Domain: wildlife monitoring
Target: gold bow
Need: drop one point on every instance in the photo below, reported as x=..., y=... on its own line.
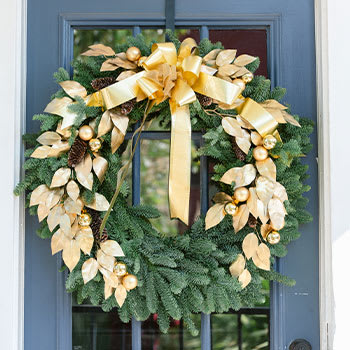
x=175, y=76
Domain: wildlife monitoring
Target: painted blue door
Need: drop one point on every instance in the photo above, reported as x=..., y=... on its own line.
x=290, y=62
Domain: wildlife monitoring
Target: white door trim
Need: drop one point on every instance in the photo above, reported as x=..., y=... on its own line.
x=12, y=91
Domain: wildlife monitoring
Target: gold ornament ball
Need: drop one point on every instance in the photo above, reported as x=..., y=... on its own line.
x=260, y=153
x=84, y=220
x=240, y=83
x=269, y=141
x=133, y=53
x=130, y=282
x=273, y=237
x=231, y=208
x=241, y=194
x=86, y=133
x=95, y=145
x=120, y=269
x=248, y=77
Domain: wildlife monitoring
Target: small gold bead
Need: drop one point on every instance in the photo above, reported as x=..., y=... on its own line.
x=248, y=77
x=95, y=145
x=84, y=220
x=231, y=208
x=241, y=194
x=273, y=237
x=260, y=153
x=130, y=282
x=86, y=133
x=133, y=53
x=269, y=141
x=120, y=269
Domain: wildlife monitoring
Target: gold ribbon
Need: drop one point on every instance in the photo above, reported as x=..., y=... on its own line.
x=175, y=76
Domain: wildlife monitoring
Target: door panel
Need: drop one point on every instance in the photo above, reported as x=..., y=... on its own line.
x=289, y=61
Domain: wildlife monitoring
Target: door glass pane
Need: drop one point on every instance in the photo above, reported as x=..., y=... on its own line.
x=249, y=41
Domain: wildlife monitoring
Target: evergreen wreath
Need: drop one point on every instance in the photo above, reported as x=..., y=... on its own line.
x=217, y=264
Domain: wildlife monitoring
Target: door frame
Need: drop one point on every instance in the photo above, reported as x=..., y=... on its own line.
x=13, y=15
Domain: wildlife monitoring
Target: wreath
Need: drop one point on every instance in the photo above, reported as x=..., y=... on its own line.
x=75, y=173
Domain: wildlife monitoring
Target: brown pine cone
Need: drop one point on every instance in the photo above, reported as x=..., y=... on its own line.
x=127, y=107
x=238, y=152
x=77, y=152
x=100, y=83
x=252, y=221
x=205, y=101
x=95, y=226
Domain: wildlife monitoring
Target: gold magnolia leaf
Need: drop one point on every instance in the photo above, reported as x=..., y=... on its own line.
x=280, y=192
x=109, y=277
x=290, y=119
x=71, y=254
x=117, y=139
x=59, y=106
x=120, y=294
x=225, y=57
x=59, y=241
x=242, y=176
x=54, y=197
x=114, y=63
x=256, y=138
x=265, y=229
x=85, y=239
x=65, y=226
x=250, y=245
x=214, y=216
x=224, y=77
x=108, y=290
x=277, y=213
x=261, y=264
x=60, y=177
x=100, y=166
x=272, y=104
x=264, y=189
x=89, y=270
x=239, y=220
x=266, y=168
x=105, y=124
x=237, y=267
x=58, y=148
x=222, y=197
x=99, y=203
x=85, y=166
x=277, y=114
x=263, y=252
x=243, y=123
x=232, y=127
x=241, y=72
x=73, y=207
x=245, y=278
x=244, y=142
x=106, y=261
x=252, y=202
x=120, y=121
x=43, y=212
x=73, y=88
x=66, y=133
x=208, y=70
x=39, y=195
x=125, y=74
x=54, y=216
x=228, y=70
x=73, y=190
x=211, y=55
x=41, y=152
x=87, y=182
x=112, y=248
x=48, y=138
x=99, y=50
x=243, y=60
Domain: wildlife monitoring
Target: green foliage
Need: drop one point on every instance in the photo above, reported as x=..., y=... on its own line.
x=187, y=273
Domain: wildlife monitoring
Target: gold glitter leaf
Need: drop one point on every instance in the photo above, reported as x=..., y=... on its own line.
x=41, y=152
x=73, y=190
x=225, y=57
x=71, y=254
x=58, y=148
x=108, y=290
x=277, y=213
x=100, y=203
x=211, y=55
x=267, y=168
x=256, y=138
x=48, y=138
x=228, y=69
x=250, y=245
x=125, y=74
x=242, y=176
x=65, y=226
x=120, y=121
x=239, y=220
x=54, y=216
x=100, y=166
x=117, y=139
x=73, y=207
x=43, y=212
x=112, y=248
x=262, y=212
x=232, y=127
x=222, y=197
x=244, y=142
x=89, y=270
x=99, y=50
x=120, y=294
x=60, y=177
x=261, y=264
x=106, y=261
x=54, y=197
x=73, y=88
x=105, y=124
x=280, y=192
x=58, y=241
x=252, y=202
x=245, y=278
x=85, y=239
x=85, y=166
x=59, y=106
x=109, y=277
x=237, y=267
x=290, y=119
x=263, y=252
x=243, y=60
x=214, y=216
x=264, y=189
x=39, y=195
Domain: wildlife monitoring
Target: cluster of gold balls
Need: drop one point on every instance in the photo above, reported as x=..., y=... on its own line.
x=262, y=152
x=86, y=133
x=129, y=281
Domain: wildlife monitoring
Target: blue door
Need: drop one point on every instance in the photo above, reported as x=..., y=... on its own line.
x=282, y=34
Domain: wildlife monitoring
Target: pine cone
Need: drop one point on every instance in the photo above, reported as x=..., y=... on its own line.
x=101, y=83
x=95, y=226
x=205, y=101
x=77, y=152
x=127, y=107
x=238, y=152
x=252, y=221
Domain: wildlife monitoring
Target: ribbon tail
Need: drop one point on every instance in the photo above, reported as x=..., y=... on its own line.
x=180, y=162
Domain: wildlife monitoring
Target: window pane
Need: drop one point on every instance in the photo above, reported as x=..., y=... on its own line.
x=157, y=35
x=94, y=329
x=248, y=41
x=154, y=184
x=188, y=33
